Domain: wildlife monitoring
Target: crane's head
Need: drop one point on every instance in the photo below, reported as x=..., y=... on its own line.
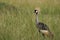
x=36, y=11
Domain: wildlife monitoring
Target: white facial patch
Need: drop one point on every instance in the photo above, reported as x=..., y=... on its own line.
x=36, y=11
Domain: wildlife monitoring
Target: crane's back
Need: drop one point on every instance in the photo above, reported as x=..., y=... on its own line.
x=42, y=26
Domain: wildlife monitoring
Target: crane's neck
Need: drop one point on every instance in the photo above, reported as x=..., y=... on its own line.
x=37, y=21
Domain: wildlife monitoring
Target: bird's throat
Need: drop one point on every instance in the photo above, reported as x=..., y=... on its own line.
x=37, y=21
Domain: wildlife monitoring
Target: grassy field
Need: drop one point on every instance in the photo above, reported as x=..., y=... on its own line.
x=17, y=20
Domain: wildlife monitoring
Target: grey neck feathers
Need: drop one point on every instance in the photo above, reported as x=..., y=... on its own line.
x=37, y=21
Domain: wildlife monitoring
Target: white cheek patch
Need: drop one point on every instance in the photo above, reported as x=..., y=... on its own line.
x=44, y=31
x=36, y=11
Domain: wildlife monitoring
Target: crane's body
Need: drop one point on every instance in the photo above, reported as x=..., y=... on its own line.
x=43, y=28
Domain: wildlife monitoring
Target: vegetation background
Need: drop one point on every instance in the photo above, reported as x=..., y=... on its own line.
x=17, y=20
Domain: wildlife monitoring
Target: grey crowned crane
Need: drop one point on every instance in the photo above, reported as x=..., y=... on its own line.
x=42, y=28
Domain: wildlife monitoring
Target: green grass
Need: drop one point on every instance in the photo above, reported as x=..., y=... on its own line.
x=17, y=20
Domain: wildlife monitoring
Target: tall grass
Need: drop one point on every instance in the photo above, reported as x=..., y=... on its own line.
x=17, y=20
